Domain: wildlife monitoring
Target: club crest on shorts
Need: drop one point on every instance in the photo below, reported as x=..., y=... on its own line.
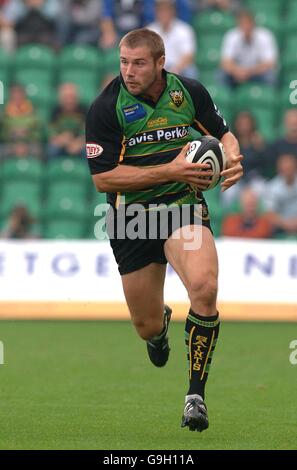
x=177, y=97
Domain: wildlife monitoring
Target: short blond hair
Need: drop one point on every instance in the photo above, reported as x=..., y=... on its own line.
x=144, y=37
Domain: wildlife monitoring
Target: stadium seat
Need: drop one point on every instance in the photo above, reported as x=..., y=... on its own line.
x=68, y=169
x=255, y=6
x=25, y=169
x=21, y=193
x=291, y=7
x=253, y=96
x=215, y=209
x=210, y=40
x=59, y=229
x=208, y=58
x=43, y=98
x=87, y=83
x=72, y=190
x=266, y=120
x=65, y=207
x=291, y=23
x=79, y=57
x=217, y=21
x=39, y=77
x=289, y=56
x=285, y=98
x=208, y=77
x=111, y=61
x=35, y=57
x=288, y=76
x=222, y=98
x=5, y=66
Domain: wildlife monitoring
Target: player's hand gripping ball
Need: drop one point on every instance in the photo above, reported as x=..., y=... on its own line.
x=208, y=150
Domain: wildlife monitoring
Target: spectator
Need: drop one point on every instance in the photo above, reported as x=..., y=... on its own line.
x=284, y=145
x=67, y=124
x=21, y=130
x=178, y=37
x=20, y=225
x=252, y=146
x=121, y=16
x=7, y=34
x=79, y=22
x=248, y=223
x=280, y=198
x=249, y=53
x=34, y=20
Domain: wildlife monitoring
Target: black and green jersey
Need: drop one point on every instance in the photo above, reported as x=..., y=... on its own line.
x=123, y=129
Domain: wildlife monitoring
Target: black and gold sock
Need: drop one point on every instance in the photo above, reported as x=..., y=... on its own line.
x=201, y=334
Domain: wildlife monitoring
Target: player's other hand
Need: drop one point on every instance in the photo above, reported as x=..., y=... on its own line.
x=191, y=173
x=233, y=173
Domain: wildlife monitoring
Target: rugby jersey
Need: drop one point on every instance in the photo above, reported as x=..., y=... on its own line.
x=123, y=129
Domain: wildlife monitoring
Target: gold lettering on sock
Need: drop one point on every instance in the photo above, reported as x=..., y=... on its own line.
x=200, y=344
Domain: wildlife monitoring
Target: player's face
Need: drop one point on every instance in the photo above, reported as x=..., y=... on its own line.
x=139, y=69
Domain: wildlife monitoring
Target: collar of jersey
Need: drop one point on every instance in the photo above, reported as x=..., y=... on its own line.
x=151, y=103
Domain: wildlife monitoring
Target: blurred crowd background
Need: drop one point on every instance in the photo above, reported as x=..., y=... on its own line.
x=55, y=58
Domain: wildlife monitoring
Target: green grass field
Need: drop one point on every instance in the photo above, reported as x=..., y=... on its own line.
x=89, y=385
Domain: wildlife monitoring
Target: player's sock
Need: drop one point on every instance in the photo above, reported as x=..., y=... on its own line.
x=201, y=335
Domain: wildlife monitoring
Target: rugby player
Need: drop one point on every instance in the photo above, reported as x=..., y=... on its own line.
x=138, y=132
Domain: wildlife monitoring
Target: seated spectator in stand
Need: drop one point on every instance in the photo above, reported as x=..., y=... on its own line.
x=249, y=222
x=79, y=22
x=121, y=16
x=34, y=20
x=252, y=146
x=20, y=225
x=66, y=134
x=7, y=34
x=280, y=198
x=179, y=39
x=249, y=53
x=286, y=144
x=21, y=131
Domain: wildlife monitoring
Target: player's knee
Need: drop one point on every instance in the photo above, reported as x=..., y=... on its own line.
x=147, y=330
x=204, y=289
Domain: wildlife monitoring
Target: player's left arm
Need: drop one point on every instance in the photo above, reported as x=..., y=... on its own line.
x=234, y=170
x=209, y=121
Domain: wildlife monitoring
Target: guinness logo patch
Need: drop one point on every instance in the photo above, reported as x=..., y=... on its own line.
x=177, y=97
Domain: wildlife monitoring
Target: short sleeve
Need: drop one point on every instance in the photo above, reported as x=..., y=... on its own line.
x=208, y=120
x=104, y=136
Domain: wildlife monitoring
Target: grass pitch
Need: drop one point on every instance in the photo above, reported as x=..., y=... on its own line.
x=90, y=385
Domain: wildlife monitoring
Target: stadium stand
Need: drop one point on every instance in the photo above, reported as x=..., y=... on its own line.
x=59, y=192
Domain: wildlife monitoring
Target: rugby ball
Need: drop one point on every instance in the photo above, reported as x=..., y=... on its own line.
x=208, y=150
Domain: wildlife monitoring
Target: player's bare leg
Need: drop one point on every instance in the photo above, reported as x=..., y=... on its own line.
x=198, y=270
x=143, y=290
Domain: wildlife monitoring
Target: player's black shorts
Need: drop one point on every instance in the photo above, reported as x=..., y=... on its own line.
x=135, y=245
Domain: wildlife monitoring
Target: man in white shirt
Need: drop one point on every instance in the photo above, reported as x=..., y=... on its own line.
x=249, y=53
x=179, y=39
x=280, y=198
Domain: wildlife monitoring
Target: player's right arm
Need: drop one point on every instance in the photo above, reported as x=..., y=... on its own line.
x=106, y=147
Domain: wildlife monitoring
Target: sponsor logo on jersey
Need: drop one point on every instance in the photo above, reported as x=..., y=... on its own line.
x=160, y=135
x=177, y=97
x=159, y=122
x=93, y=150
x=134, y=112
